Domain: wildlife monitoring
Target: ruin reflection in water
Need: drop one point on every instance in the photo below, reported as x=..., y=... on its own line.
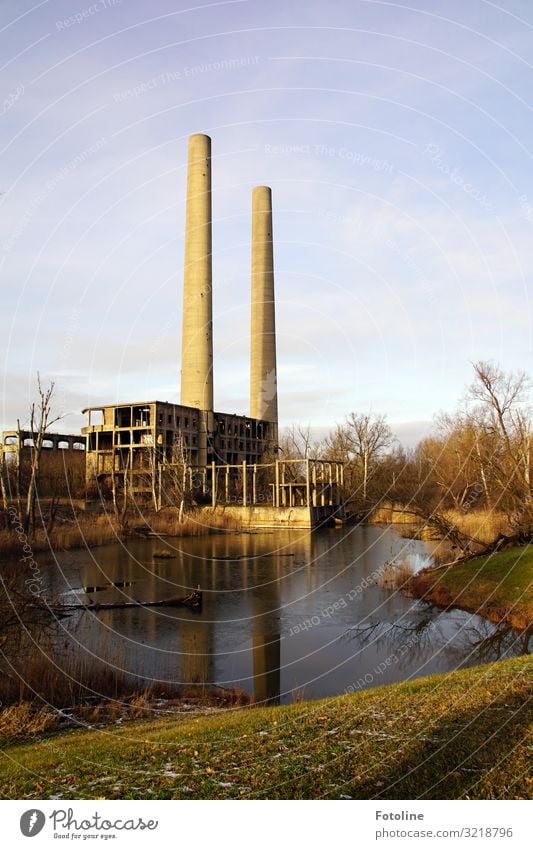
x=285, y=615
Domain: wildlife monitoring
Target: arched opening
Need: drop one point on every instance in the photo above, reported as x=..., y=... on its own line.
x=78, y=446
x=63, y=445
x=48, y=443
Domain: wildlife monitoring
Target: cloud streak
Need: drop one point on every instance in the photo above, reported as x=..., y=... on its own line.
x=397, y=145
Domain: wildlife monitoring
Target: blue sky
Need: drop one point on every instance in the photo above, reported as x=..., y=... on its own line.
x=397, y=141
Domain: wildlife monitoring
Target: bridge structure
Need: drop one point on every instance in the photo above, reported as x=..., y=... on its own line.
x=299, y=492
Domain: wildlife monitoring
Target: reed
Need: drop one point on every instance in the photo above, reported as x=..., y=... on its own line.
x=395, y=574
x=41, y=692
x=94, y=529
x=482, y=525
x=84, y=529
x=24, y=719
x=200, y=522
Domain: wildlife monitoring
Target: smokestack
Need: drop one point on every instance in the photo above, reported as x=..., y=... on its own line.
x=197, y=336
x=263, y=376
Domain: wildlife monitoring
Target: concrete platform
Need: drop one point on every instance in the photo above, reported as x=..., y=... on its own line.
x=262, y=516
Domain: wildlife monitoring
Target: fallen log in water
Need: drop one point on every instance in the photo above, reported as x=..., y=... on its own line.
x=192, y=601
x=145, y=531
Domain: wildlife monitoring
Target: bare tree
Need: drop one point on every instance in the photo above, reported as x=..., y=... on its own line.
x=3, y=478
x=362, y=440
x=455, y=456
x=480, y=456
x=504, y=412
x=41, y=420
x=177, y=476
x=155, y=478
x=120, y=512
x=297, y=442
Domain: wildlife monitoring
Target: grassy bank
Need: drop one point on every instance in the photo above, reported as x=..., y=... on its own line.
x=461, y=735
x=498, y=587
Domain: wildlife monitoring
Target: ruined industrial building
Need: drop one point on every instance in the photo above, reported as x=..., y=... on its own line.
x=145, y=446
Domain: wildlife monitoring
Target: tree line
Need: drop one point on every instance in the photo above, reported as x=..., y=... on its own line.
x=478, y=457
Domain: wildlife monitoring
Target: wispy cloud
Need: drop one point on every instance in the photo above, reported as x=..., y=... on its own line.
x=395, y=265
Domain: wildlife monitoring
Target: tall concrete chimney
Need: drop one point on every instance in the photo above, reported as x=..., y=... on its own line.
x=197, y=336
x=263, y=374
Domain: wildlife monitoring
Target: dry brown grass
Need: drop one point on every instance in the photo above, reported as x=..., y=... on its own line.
x=23, y=720
x=95, y=687
x=86, y=529
x=89, y=530
x=58, y=683
x=390, y=513
x=50, y=699
x=203, y=521
x=426, y=533
x=483, y=525
x=94, y=529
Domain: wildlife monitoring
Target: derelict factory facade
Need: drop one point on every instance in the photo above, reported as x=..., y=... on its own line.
x=141, y=436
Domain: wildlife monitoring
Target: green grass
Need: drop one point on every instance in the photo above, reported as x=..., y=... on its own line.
x=499, y=586
x=460, y=735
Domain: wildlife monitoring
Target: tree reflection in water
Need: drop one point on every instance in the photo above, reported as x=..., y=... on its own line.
x=473, y=639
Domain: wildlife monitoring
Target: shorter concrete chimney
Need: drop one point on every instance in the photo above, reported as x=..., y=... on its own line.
x=263, y=372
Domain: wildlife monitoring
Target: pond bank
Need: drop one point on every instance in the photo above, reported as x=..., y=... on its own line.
x=497, y=586
x=87, y=529
x=29, y=720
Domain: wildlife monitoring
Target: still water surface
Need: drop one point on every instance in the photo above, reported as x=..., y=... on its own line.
x=296, y=615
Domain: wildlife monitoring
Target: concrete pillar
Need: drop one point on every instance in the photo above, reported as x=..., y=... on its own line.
x=197, y=334
x=213, y=485
x=263, y=374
